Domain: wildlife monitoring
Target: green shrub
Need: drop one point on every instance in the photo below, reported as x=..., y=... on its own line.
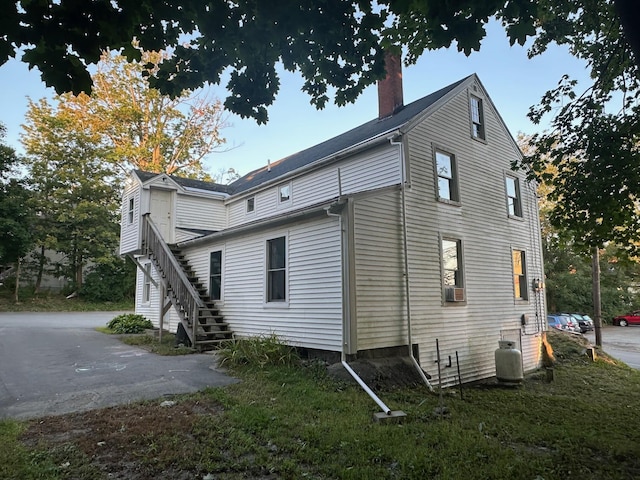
x=258, y=351
x=110, y=282
x=129, y=323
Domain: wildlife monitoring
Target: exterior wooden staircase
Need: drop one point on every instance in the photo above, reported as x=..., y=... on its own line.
x=204, y=326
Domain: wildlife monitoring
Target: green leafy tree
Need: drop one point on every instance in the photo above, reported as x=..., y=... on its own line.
x=569, y=280
x=335, y=45
x=76, y=198
x=138, y=127
x=15, y=215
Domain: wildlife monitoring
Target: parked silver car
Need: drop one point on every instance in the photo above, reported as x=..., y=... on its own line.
x=584, y=321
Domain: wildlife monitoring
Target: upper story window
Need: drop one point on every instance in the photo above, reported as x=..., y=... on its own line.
x=284, y=193
x=514, y=203
x=452, y=276
x=519, y=275
x=251, y=204
x=477, y=118
x=131, y=209
x=277, y=270
x=447, y=176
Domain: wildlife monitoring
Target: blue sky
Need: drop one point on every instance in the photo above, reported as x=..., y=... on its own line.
x=513, y=81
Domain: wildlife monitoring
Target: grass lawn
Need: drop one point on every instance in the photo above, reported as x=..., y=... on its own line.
x=51, y=302
x=292, y=421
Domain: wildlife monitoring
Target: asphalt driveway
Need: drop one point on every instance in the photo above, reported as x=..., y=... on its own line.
x=56, y=363
x=622, y=343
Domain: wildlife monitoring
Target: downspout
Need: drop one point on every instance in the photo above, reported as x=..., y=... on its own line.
x=405, y=247
x=343, y=355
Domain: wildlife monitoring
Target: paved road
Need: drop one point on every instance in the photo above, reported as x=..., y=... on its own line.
x=55, y=363
x=622, y=343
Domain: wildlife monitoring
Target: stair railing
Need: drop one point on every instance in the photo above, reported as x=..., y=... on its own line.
x=184, y=292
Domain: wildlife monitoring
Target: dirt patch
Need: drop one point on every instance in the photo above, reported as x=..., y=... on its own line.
x=381, y=374
x=125, y=442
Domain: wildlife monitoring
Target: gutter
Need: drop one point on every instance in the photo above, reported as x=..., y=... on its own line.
x=331, y=212
x=405, y=247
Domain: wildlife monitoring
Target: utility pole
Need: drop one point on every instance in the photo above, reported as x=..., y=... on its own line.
x=597, y=308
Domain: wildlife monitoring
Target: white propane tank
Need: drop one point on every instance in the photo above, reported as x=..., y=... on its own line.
x=508, y=362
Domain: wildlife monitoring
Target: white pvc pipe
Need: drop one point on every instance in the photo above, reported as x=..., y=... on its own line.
x=356, y=377
x=366, y=388
x=406, y=266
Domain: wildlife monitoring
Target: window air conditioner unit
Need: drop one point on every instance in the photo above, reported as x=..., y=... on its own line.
x=454, y=294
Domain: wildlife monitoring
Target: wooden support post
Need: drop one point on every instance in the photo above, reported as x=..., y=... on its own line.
x=162, y=294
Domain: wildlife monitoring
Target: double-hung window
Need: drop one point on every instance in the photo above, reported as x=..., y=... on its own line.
x=251, y=204
x=477, y=118
x=447, y=176
x=146, y=285
x=215, y=275
x=519, y=274
x=452, y=276
x=277, y=270
x=131, y=209
x=514, y=203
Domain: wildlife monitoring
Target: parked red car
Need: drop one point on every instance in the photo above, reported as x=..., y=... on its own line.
x=632, y=318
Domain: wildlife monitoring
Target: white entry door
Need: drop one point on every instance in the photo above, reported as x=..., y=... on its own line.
x=161, y=203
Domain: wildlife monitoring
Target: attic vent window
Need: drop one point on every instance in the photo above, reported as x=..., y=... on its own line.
x=477, y=118
x=251, y=204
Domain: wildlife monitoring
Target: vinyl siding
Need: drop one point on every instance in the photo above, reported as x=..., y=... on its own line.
x=130, y=232
x=379, y=267
x=368, y=170
x=312, y=317
x=488, y=235
x=201, y=213
x=151, y=309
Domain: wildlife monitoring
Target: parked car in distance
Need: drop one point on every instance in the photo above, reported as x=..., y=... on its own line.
x=562, y=322
x=585, y=323
x=572, y=322
x=589, y=319
x=632, y=318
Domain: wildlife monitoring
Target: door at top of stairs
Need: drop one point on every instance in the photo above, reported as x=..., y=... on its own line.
x=161, y=213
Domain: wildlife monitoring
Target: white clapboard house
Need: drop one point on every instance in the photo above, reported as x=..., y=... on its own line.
x=406, y=230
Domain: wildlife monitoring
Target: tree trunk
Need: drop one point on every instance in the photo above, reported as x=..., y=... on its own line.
x=629, y=12
x=597, y=308
x=40, y=270
x=79, y=278
x=16, y=297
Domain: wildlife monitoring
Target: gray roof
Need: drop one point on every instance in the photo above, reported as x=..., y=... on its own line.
x=186, y=182
x=322, y=150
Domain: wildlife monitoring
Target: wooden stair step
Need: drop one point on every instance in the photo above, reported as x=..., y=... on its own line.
x=213, y=341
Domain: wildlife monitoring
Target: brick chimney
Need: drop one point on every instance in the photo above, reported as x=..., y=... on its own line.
x=390, y=88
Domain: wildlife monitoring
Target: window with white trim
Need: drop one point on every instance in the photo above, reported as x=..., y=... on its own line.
x=132, y=204
x=452, y=274
x=447, y=176
x=251, y=204
x=215, y=275
x=284, y=193
x=277, y=270
x=146, y=285
x=520, y=291
x=477, y=118
x=514, y=203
